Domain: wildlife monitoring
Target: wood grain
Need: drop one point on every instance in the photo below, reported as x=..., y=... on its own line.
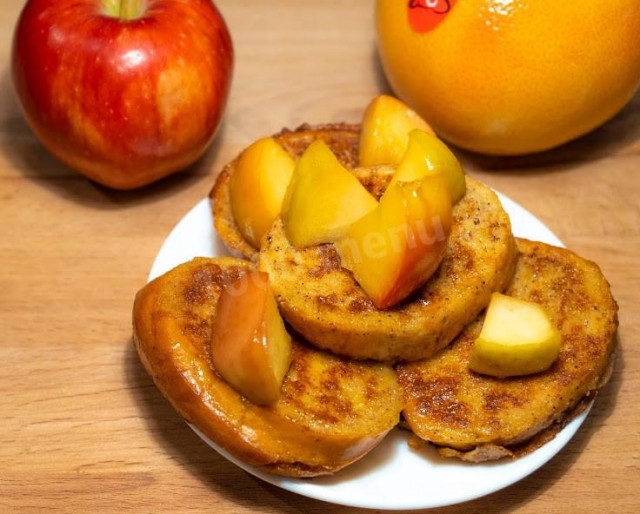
x=83, y=429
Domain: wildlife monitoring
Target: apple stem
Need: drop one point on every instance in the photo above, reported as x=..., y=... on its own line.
x=131, y=9
x=125, y=9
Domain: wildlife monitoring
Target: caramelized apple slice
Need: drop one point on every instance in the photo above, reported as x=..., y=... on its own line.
x=394, y=250
x=517, y=338
x=427, y=155
x=323, y=199
x=384, y=134
x=258, y=186
x=250, y=347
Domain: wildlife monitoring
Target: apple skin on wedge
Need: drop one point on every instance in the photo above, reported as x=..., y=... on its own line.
x=258, y=186
x=323, y=199
x=384, y=135
x=427, y=155
x=393, y=250
x=250, y=346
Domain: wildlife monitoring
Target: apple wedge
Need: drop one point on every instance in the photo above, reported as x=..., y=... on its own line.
x=384, y=135
x=517, y=338
x=258, y=186
x=323, y=199
x=427, y=155
x=393, y=250
x=250, y=347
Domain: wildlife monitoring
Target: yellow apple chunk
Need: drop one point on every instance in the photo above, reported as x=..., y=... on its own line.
x=427, y=155
x=517, y=338
x=384, y=133
x=258, y=186
x=323, y=199
x=250, y=347
x=394, y=250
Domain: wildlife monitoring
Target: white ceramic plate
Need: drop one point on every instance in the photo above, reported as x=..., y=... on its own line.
x=392, y=476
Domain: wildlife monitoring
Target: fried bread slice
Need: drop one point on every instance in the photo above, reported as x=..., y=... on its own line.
x=476, y=417
x=324, y=303
x=331, y=411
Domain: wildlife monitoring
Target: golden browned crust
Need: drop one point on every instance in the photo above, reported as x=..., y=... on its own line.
x=340, y=137
x=331, y=412
x=323, y=302
x=477, y=417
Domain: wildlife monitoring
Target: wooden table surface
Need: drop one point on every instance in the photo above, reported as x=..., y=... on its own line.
x=82, y=427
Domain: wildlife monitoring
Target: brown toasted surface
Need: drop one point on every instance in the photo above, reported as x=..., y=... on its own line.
x=331, y=411
x=340, y=137
x=325, y=304
x=451, y=406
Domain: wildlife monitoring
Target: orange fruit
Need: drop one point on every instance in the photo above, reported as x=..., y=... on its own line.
x=510, y=77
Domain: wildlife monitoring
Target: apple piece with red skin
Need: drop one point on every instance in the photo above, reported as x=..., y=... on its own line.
x=250, y=346
x=123, y=91
x=393, y=250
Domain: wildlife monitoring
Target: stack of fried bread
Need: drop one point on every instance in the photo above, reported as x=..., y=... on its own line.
x=356, y=369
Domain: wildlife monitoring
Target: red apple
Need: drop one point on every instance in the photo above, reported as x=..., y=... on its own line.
x=124, y=91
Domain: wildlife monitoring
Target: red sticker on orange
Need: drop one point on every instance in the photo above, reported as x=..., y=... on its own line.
x=425, y=15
